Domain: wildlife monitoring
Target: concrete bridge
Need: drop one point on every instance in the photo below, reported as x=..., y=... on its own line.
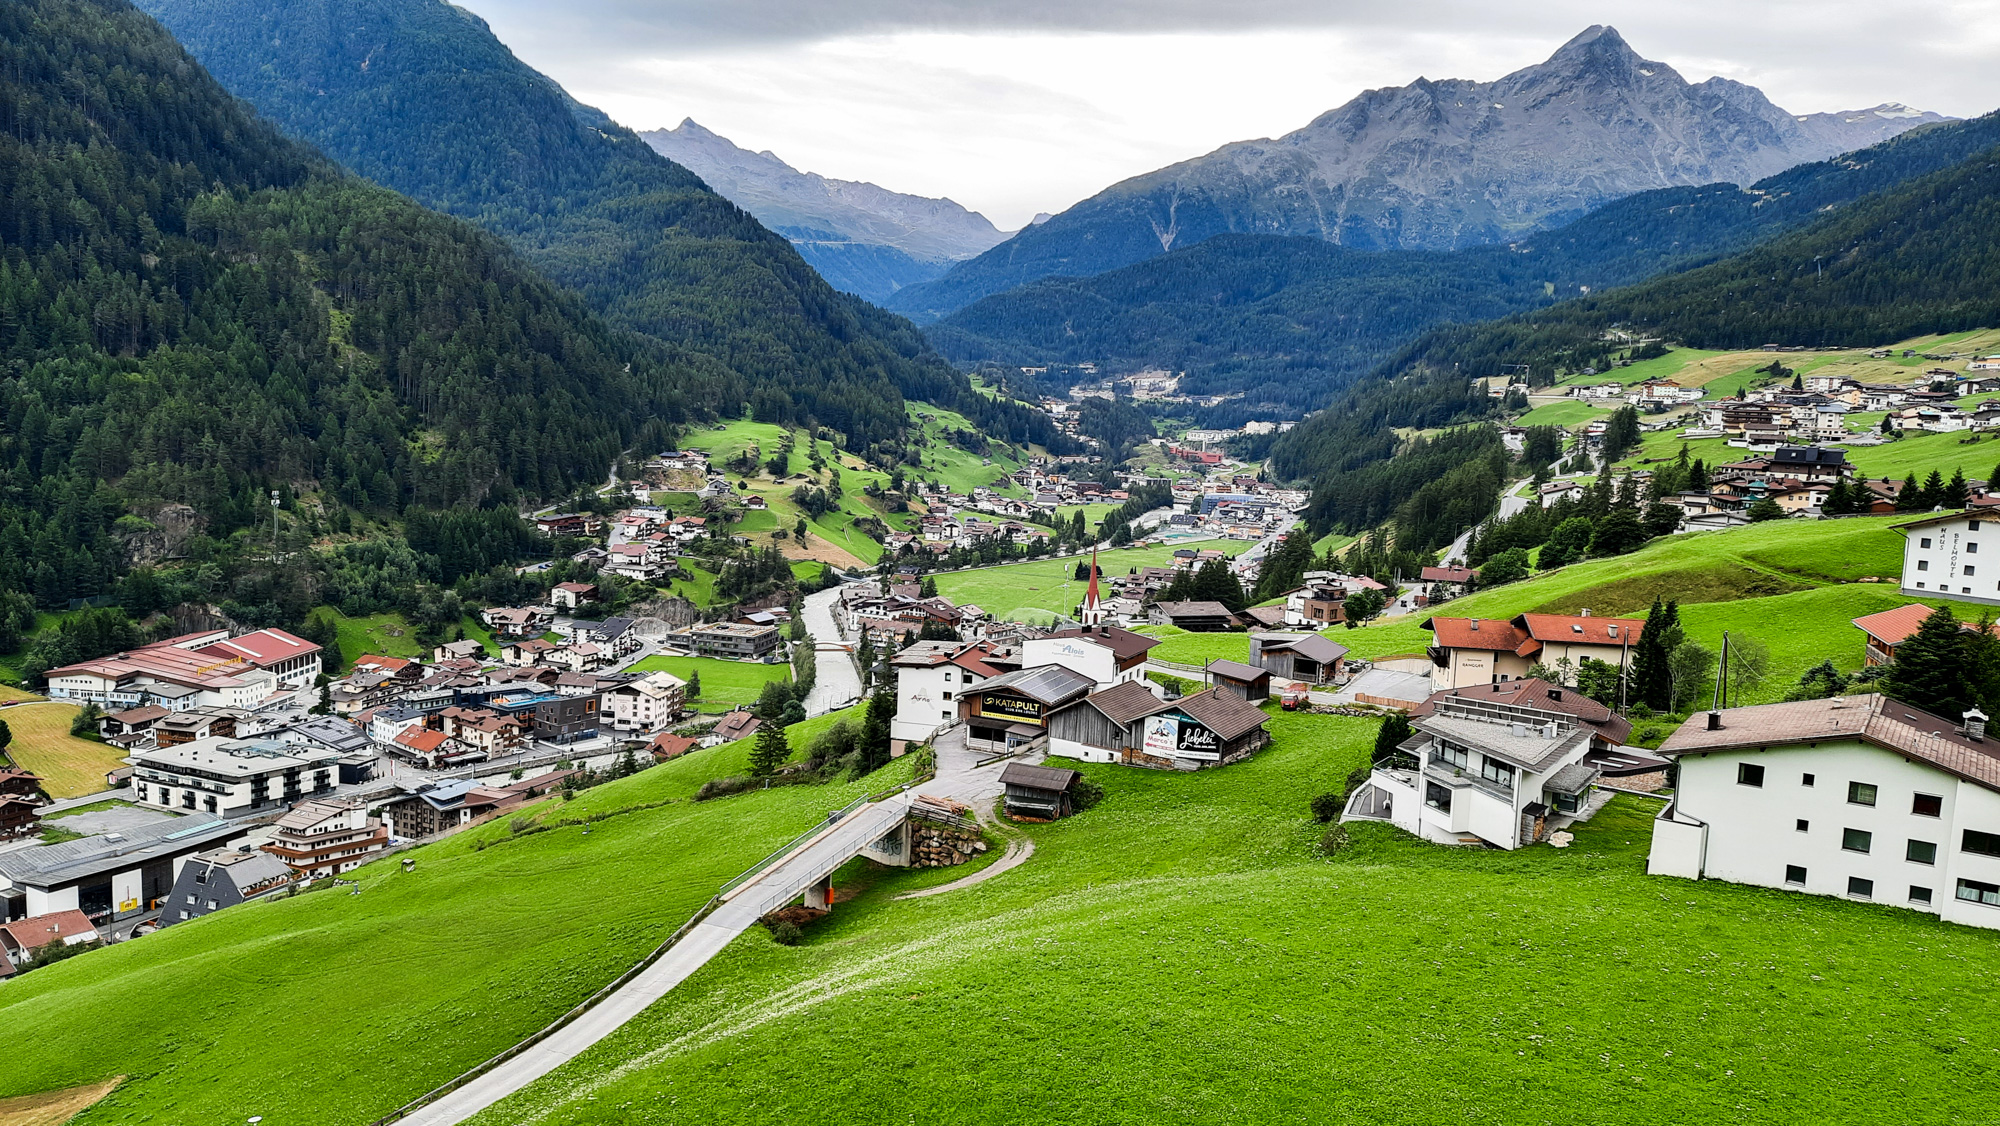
x=874, y=827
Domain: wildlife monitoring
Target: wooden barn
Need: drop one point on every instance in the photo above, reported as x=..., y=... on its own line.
x=1245, y=682
x=1306, y=657
x=1103, y=726
x=1039, y=791
x=1212, y=728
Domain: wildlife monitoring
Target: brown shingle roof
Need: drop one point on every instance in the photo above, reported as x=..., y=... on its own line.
x=1224, y=713
x=1124, y=703
x=1872, y=718
x=1123, y=643
x=1237, y=670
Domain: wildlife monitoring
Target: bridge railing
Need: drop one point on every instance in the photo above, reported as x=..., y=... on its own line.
x=832, y=819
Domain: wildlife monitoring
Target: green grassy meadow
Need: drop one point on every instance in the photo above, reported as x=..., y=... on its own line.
x=722, y=682
x=1036, y=589
x=417, y=976
x=1184, y=953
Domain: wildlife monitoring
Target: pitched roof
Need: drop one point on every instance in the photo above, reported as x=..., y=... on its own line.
x=1048, y=685
x=1871, y=718
x=37, y=931
x=1038, y=777
x=1237, y=670
x=1489, y=634
x=264, y=647
x=1123, y=643
x=1126, y=702
x=668, y=745
x=1892, y=627
x=1448, y=574
x=1225, y=713
x=738, y=725
x=1193, y=609
x=1583, y=629
x=1311, y=646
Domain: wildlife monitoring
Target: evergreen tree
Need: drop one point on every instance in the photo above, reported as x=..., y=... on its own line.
x=929, y=587
x=1652, y=668
x=1621, y=434
x=1697, y=479
x=770, y=705
x=1393, y=731
x=1934, y=491
x=1764, y=508
x=1910, y=498
x=874, y=742
x=694, y=685
x=1956, y=493
x=1507, y=567
x=1929, y=672
x=770, y=751
x=1617, y=533
x=1213, y=582
x=1569, y=543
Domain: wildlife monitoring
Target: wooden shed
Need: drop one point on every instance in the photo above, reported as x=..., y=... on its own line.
x=1039, y=791
x=1103, y=726
x=1245, y=682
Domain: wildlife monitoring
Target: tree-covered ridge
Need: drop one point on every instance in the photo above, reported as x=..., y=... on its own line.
x=194, y=310
x=420, y=96
x=1287, y=320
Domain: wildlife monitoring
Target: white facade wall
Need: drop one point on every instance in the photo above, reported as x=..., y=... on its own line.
x=1954, y=556
x=1080, y=655
x=927, y=700
x=1753, y=832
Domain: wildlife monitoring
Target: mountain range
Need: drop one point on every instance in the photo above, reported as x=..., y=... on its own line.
x=1284, y=321
x=863, y=239
x=1436, y=165
x=421, y=97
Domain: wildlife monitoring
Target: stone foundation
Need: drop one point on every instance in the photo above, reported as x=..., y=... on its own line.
x=938, y=846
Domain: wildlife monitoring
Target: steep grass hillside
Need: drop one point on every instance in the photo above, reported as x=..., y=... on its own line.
x=1183, y=953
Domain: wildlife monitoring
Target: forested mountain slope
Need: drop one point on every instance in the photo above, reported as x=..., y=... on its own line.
x=1922, y=257
x=195, y=310
x=1287, y=320
x=1435, y=165
x=420, y=96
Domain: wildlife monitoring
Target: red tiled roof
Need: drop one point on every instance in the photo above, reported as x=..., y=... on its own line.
x=1490, y=634
x=1448, y=574
x=37, y=931
x=1893, y=627
x=421, y=739
x=264, y=647
x=668, y=745
x=1580, y=630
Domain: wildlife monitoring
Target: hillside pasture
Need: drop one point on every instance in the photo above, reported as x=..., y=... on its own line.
x=722, y=682
x=1033, y=590
x=69, y=767
x=1183, y=952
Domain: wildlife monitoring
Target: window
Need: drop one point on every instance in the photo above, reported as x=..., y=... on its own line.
x=1806, y=779
x=1453, y=755
x=1927, y=805
x=211, y=905
x=1923, y=564
x=1856, y=840
x=1921, y=852
x=947, y=695
x=1924, y=542
x=1971, y=549
x=1495, y=771
x=201, y=877
x=1985, y=844
x=1973, y=891
x=1802, y=825
x=1860, y=888
x=191, y=900
x=1795, y=874
x=1968, y=568
x=1437, y=797
x=1860, y=793
x=1919, y=895
x=1749, y=774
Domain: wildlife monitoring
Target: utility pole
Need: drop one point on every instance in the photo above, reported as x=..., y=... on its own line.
x=274, y=527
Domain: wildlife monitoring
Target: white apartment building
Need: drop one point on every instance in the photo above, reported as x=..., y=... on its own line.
x=1482, y=772
x=1941, y=556
x=230, y=776
x=1107, y=654
x=930, y=677
x=646, y=704
x=1857, y=796
x=327, y=838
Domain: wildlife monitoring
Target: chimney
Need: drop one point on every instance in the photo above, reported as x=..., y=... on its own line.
x=1975, y=725
x=1583, y=613
x=1715, y=721
x=1475, y=625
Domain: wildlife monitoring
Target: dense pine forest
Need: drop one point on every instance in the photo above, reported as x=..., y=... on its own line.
x=1286, y=321
x=195, y=310
x=421, y=97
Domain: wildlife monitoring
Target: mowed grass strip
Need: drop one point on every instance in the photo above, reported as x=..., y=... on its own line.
x=416, y=975
x=1038, y=588
x=1183, y=953
x=69, y=767
x=722, y=682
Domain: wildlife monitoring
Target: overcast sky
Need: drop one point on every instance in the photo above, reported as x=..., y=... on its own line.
x=1014, y=108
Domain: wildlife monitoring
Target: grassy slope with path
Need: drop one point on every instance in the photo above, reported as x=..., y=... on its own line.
x=1182, y=953
x=1019, y=591
x=417, y=977
x=69, y=767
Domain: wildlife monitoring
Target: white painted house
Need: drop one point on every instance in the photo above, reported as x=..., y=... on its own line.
x=1107, y=654
x=930, y=677
x=1482, y=772
x=1942, y=555
x=1857, y=796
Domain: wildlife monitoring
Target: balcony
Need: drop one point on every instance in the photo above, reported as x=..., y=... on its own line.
x=1451, y=776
